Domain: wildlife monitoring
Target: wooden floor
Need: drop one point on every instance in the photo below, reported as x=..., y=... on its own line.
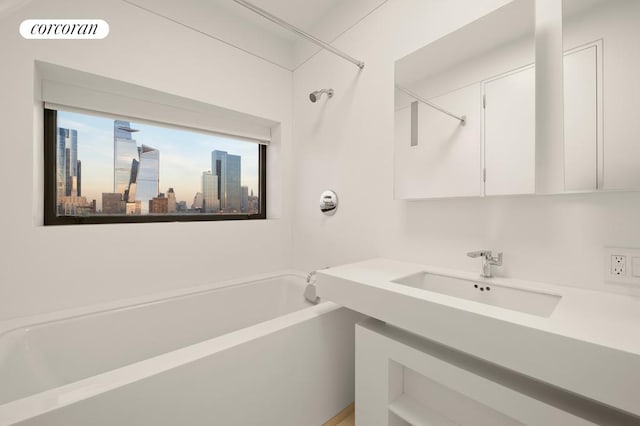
x=349, y=421
x=345, y=417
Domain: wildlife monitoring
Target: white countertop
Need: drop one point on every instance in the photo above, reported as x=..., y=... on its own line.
x=590, y=344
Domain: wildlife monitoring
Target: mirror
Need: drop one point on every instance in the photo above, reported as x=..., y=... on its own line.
x=465, y=110
x=601, y=41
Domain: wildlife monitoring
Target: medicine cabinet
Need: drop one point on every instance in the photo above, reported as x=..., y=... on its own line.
x=465, y=105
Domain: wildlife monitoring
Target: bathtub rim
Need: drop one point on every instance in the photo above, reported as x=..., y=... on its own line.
x=49, y=400
x=25, y=322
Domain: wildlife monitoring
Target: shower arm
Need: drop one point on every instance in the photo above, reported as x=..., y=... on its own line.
x=298, y=31
x=462, y=119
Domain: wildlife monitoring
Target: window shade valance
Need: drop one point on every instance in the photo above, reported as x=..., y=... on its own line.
x=63, y=88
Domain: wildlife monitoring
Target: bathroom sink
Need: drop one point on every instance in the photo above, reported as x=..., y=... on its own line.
x=516, y=299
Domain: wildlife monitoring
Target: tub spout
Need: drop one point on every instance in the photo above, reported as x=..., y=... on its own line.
x=310, y=294
x=310, y=289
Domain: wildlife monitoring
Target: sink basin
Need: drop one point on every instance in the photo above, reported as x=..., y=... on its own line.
x=515, y=299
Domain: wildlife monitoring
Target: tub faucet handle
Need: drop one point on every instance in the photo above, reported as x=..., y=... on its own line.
x=312, y=273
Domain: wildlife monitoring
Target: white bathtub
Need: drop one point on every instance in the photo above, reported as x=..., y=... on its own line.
x=249, y=353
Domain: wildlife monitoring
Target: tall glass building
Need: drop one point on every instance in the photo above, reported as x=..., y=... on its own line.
x=68, y=178
x=211, y=202
x=125, y=152
x=219, y=168
x=136, y=170
x=227, y=168
x=148, y=176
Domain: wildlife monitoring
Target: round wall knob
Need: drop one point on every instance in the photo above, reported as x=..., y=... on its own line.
x=328, y=203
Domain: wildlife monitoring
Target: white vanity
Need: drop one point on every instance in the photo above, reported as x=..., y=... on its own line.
x=443, y=346
x=538, y=97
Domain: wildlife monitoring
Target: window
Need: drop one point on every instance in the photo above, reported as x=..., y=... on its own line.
x=104, y=170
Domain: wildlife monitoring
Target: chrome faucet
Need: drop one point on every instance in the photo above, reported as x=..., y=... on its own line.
x=487, y=260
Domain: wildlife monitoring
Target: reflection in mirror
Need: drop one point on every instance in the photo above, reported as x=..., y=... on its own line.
x=601, y=94
x=465, y=110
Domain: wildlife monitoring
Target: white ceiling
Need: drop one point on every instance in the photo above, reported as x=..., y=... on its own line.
x=232, y=24
x=303, y=14
x=7, y=6
x=228, y=21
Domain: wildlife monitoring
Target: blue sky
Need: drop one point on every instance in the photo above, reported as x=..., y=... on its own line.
x=184, y=155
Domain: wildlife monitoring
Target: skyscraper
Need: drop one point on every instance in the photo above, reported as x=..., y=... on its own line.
x=79, y=175
x=67, y=163
x=68, y=175
x=171, y=204
x=234, y=189
x=148, y=176
x=245, y=200
x=136, y=173
x=227, y=168
x=198, y=201
x=211, y=203
x=125, y=152
x=219, y=168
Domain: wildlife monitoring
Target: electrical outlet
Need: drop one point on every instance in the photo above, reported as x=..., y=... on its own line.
x=616, y=268
x=618, y=264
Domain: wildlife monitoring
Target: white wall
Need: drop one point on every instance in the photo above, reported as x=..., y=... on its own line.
x=49, y=268
x=346, y=144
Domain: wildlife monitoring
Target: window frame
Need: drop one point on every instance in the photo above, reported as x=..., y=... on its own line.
x=50, y=192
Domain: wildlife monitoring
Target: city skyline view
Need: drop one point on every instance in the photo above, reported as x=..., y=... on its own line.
x=181, y=158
